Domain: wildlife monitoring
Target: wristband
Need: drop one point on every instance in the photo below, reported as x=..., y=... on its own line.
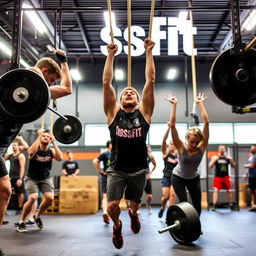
x=61, y=57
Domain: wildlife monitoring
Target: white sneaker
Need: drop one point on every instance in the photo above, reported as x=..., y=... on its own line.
x=150, y=211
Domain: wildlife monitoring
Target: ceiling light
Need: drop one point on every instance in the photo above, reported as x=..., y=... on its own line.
x=171, y=74
x=7, y=51
x=32, y=15
x=75, y=75
x=119, y=74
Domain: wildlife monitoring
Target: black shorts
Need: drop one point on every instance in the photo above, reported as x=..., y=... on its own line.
x=3, y=171
x=252, y=183
x=130, y=184
x=103, y=184
x=166, y=182
x=148, y=187
x=16, y=189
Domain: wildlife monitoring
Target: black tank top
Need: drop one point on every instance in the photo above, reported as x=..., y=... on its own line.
x=170, y=161
x=128, y=134
x=14, y=166
x=221, y=167
x=40, y=165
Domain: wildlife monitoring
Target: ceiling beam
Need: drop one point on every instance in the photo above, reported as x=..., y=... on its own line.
x=45, y=19
x=80, y=23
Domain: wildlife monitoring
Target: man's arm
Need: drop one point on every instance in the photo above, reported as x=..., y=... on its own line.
x=212, y=161
x=231, y=161
x=109, y=96
x=64, y=172
x=77, y=171
x=65, y=87
x=56, y=152
x=34, y=147
x=24, y=144
x=148, y=99
x=7, y=157
x=22, y=161
x=96, y=164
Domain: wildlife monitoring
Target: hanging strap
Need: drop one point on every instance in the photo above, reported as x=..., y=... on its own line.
x=129, y=60
x=151, y=19
x=110, y=21
x=193, y=62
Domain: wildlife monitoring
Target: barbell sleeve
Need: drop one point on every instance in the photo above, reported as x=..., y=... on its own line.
x=250, y=45
x=57, y=113
x=176, y=225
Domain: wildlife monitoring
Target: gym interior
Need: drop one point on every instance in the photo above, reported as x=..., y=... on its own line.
x=187, y=56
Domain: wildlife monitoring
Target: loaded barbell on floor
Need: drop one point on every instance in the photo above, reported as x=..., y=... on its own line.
x=183, y=223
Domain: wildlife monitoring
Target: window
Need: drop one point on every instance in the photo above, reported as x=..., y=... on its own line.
x=96, y=134
x=245, y=133
x=221, y=133
x=157, y=132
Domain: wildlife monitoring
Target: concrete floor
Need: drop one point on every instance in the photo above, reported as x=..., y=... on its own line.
x=224, y=233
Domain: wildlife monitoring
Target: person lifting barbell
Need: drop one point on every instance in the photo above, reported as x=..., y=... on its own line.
x=48, y=72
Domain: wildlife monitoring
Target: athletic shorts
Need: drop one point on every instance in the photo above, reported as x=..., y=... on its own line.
x=17, y=190
x=166, y=182
x=252, y=183
x=35, y=186
x=3, y=171
x=148, y=187
x=222, y=183
x=131, y=185
x=103, y=183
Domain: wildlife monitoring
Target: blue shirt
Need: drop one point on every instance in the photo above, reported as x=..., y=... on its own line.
x=252, y=171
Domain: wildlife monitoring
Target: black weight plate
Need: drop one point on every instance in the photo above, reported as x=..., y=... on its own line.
x=67, y=132
x=224, y=81
x=190, y=228
x=37, y=95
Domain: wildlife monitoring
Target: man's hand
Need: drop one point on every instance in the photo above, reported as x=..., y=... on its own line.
x=112, y=49
x=19, y=183
x=148, y=44
x=60, y=55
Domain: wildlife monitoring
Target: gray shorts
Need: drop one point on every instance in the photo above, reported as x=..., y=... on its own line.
x=35, y=186
x=131, y=185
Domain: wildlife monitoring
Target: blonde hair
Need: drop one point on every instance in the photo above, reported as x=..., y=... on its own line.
x=51, y=65
x=196, y=132
x=130, y=88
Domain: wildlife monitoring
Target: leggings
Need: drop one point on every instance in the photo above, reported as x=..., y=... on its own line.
x=193, y=187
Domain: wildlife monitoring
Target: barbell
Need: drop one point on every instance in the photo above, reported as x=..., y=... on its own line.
x=25, y=96
x=183, y=223
x=233, y=77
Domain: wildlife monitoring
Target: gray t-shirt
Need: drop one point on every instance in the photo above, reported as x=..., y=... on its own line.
x=187, y=167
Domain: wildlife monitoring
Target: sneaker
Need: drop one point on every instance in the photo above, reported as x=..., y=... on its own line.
x=105, y=218
x=30, y=222
x=5, y=222
x=1, y=253
x=150, y=211
x=160, y=214
x=253, y=209
x=135, y=222
x=22, y=227
x=117, y=238
x=39, y=222
x=213, y=209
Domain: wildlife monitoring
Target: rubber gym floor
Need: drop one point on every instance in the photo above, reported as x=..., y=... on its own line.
x=224, y=233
